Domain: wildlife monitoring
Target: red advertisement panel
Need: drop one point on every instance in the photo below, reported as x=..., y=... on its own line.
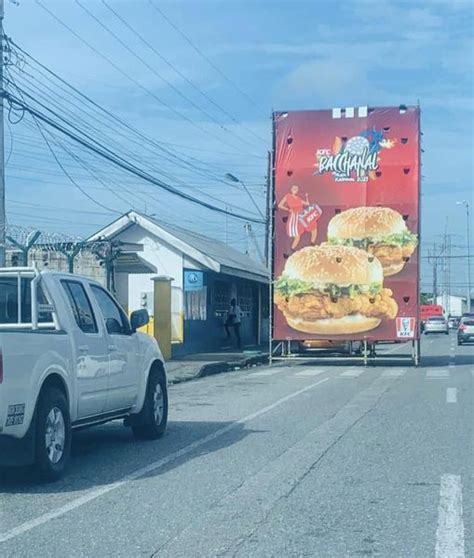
x=346, y=224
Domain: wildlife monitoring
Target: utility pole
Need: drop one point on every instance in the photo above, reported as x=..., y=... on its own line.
x=3, y=219
x=465, y=203
x=227, y=225
x=434, y=259
x=267, y=211
x=247, y=230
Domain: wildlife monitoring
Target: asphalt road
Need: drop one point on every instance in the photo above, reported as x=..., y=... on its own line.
x=316, y=459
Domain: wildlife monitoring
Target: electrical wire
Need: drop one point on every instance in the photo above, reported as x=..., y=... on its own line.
x=204, y=56
x=190, y=160
x=131, y=78
x=103, y=151
x=183, y=76
x=100, y=108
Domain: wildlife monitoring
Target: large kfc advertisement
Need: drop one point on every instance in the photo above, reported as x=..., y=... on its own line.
x=346, y=225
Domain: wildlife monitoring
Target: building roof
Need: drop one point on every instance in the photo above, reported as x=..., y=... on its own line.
x=208, y=252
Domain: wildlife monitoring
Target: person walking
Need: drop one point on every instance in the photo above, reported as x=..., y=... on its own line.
x=234, y=320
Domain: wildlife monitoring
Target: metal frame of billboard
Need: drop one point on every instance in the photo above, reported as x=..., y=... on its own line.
x=280, y=350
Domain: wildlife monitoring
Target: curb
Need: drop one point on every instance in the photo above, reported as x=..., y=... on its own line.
x=220, y=367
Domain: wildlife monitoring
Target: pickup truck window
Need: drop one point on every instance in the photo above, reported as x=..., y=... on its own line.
x=80, y=306
x=9, y=302
x=115, y=320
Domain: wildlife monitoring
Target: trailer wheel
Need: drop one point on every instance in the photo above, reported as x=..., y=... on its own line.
x=53, y=434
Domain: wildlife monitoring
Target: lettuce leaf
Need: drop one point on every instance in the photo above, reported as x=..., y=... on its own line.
x=399, y=239
x=289, y=287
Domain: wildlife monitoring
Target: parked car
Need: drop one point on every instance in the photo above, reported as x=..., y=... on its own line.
x=453, y=323
x=466, y=330
x=436, y=324
x=70, y=358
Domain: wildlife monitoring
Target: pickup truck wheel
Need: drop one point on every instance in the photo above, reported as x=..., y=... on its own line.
x=53, y=434
x=151, y=422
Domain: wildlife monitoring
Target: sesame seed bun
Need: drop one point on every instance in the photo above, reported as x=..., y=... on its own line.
x=366, y=222
x=338, y=265
x=356, y=323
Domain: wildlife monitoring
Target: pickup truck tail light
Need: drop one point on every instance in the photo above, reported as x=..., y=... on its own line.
x=462, y=327
x=1, y=367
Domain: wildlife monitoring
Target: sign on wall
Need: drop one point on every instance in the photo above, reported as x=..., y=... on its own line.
x=193, y=280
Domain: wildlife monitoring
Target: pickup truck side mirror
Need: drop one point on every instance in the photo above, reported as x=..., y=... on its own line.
x=138, y=319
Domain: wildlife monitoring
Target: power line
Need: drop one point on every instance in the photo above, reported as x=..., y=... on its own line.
x=151, y=68
x=54, y=208
x=204, y=56
x=158, y=145
x=183, y=76
x=36, y=94
x=104, y=152
x=62, y=167
x=129, y=77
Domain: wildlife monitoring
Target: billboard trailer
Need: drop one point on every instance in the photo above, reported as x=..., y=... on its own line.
x=344, y=225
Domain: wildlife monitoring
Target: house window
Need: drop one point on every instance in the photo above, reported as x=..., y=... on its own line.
x=221, y=296
x=195, y=304
x=245, y=297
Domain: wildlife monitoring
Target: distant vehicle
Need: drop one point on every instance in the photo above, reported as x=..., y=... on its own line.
x=436, y=324
x=466, y=330
x=70, y=358
x=453, y=323
x=428, y=310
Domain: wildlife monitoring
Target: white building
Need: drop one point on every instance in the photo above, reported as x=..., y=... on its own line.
x=206, y=275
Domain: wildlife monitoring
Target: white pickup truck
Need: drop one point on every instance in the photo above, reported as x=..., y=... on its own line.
x=70, y=358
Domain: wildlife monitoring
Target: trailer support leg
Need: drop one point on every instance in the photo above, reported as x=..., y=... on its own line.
x=366, y=352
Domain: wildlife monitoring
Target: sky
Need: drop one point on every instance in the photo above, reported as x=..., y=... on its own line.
x=264, y=55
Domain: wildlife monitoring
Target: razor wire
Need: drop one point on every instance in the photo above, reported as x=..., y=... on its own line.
x=35, y=244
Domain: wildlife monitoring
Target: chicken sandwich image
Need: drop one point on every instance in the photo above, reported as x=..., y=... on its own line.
x=379, y=230
x=333, y=290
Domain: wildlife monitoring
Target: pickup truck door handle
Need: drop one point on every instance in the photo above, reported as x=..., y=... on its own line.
x=112, y=348
x=83, y=349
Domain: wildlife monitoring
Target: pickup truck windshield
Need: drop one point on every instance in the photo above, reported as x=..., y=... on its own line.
x=9, y=301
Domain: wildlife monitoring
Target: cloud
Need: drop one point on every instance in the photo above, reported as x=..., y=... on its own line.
x=325, y=79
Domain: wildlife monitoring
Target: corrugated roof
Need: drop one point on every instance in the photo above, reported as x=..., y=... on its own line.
x=219, y=251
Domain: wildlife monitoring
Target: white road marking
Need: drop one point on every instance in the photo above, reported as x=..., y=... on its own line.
x=147, y=469
x=352, y=373
x=394, y=373
x=434, y=374
x=450, y=532
x=309, y=372
x=451, y=395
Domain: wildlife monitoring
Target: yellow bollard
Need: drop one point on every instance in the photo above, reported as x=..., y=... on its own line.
x=162, y=311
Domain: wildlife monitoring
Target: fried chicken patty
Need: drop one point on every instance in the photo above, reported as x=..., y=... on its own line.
x=389, y=253
x=316, y=305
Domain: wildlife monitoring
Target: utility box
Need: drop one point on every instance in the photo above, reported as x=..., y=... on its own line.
x=147, y=302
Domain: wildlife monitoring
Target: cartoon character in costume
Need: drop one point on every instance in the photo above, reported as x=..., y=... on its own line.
x=303, y=216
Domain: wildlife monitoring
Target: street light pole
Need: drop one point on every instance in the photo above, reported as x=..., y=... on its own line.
x=233, y=178
x=466, y=205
